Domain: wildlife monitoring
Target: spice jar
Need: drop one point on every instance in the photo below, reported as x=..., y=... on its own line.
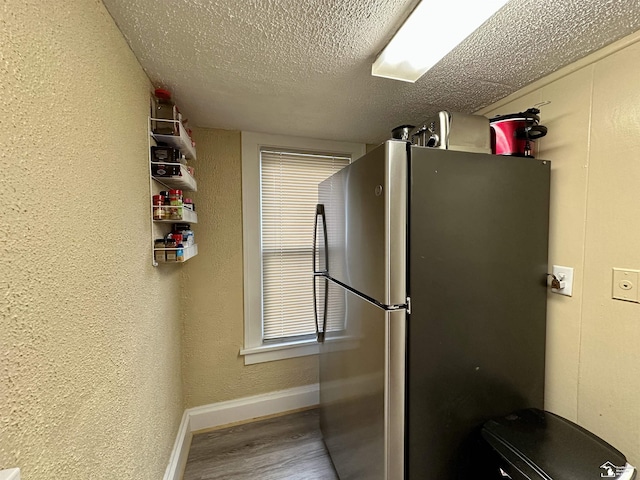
x=158, y=210
x=171, y=252
x=175, y=197
x=166, y=110
x=158, y=250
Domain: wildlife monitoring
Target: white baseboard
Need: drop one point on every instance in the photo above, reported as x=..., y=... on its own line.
x=223, y=413
x=232, y=411
x=10, y=474
x=180, y=452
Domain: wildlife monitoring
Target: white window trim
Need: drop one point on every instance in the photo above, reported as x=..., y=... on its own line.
x=254, y=350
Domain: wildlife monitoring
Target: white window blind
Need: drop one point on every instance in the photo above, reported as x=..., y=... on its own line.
x=289, y=194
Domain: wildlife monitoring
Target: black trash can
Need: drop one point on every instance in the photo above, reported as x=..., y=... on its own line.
x=537, y=445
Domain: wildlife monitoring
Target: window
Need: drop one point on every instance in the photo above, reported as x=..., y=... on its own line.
x=280, y=176
x=288, y=193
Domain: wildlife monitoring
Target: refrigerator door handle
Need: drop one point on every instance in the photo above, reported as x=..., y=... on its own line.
x=320, y=332
x=320, y=214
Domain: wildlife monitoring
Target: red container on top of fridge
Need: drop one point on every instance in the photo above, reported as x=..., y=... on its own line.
x=515, y=133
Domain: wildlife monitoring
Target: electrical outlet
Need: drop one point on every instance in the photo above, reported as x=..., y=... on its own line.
x=625, y=285
x=565, y=276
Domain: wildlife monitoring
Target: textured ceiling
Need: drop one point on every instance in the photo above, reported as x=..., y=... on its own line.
x=302, y=67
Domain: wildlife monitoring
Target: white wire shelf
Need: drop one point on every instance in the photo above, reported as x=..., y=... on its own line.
x=184, y=181
x=160, y=254
x=174, y=213
x=181, y=140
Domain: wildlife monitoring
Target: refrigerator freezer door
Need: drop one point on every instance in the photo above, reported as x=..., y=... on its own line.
x=478, y=249
x=365, y=206
x=362, y=387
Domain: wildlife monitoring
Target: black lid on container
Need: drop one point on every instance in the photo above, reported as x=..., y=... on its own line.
x=402, y=132
x=530, y=115
x=181, y=226
x=542, y=445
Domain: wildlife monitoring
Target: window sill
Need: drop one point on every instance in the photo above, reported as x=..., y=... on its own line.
x=279, y=351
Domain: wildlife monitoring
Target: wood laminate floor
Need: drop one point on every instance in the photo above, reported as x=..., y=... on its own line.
x=285, y=447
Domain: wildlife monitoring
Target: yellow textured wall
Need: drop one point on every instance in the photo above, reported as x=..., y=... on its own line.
x=213, y=299
x=593, y=341
x=90, y=382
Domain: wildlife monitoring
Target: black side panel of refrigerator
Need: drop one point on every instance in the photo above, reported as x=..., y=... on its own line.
x=478, y=243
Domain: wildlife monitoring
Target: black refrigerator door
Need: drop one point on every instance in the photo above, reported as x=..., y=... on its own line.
x=477, y=279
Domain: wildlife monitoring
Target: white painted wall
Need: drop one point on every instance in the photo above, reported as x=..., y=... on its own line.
x=593, y=341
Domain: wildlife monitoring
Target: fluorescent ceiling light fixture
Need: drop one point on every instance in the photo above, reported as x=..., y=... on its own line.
x=432, y=30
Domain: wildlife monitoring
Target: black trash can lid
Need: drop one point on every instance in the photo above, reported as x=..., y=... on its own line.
x=542, y=445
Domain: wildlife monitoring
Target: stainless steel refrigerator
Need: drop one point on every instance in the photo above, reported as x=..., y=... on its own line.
x=430, y=292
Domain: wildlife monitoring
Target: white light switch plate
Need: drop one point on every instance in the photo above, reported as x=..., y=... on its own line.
x=565, y=275
x=625, y=284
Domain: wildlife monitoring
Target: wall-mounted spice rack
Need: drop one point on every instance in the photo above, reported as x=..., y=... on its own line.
x=174, y=177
